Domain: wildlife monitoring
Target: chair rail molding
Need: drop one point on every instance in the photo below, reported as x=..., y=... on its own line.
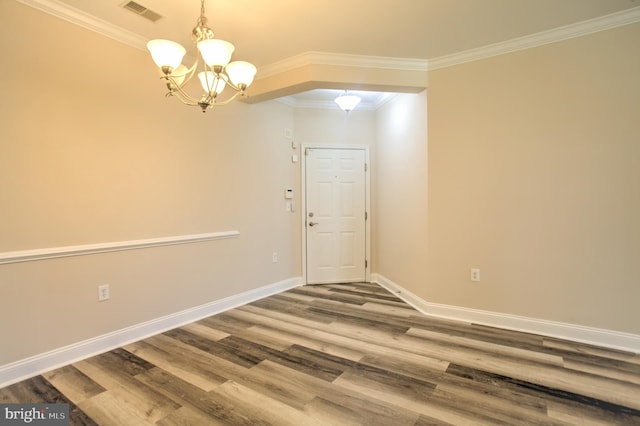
x=81, y=250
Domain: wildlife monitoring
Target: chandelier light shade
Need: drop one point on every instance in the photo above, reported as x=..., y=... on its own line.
x=166, y=53
x=241, y=73
x=213, y=61
x=347, y=102
x=216, y=52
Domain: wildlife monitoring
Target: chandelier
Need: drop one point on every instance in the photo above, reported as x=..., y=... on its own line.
x=216, y=72
x=347, y=102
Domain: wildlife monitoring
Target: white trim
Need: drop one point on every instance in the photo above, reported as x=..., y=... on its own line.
x=381, y=62
x=32, y=366
x=594, y=336
x=90, y=22
x=341, y=59
x=54, y=252
x=613, y=20
x=590, y=26
x=303, y=209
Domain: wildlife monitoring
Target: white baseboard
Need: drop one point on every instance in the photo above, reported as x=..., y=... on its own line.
x=38, y=364
x=595, y=336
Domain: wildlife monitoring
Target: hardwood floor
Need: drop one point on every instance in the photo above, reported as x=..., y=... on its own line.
x=342, y=355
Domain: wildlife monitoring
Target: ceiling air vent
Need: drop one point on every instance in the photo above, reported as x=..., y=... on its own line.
x=139, y=9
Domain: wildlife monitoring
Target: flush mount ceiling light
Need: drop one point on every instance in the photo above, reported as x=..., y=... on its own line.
x=347, y=102
x=216, y=70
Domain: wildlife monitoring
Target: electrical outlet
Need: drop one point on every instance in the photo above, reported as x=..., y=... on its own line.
x=103, y=292
x=274, y=257
x=475, y=275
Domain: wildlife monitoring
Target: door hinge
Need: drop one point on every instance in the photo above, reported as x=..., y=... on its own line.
x=366, y=215
x=366, y=264
x=365, y=167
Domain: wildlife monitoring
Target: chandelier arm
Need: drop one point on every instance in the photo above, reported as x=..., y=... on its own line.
x=208, y=99
x=227, y=80
x=215, y=82
x=190, y=72
x=226, y=101
x=183, y=100
x=180, y=93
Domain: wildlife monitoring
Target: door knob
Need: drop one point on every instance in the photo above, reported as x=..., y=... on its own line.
x=313, y=223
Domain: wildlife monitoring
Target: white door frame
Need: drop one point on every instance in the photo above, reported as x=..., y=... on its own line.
x=303, y=201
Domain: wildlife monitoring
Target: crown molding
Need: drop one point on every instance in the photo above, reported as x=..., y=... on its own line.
x=345, y=60
x=617, y=19
x=90, y=22
x=590, y=26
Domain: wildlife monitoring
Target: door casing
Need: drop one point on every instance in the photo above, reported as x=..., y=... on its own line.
x=303, y=209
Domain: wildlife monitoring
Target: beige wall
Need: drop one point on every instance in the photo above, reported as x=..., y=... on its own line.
x=333, y=126
x=534, y=177
x=400, y=209
x=92, y=152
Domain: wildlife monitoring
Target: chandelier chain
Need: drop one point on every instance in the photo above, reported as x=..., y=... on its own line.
x=202, y=11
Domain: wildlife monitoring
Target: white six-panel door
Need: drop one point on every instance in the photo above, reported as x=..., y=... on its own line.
x=335, y=212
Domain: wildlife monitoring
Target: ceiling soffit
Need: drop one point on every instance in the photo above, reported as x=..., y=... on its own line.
x=319, y=70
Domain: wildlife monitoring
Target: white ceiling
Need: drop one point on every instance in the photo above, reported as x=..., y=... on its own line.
x=324, y=99
x=268, y=31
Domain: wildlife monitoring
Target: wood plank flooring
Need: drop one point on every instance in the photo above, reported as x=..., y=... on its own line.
x=350, y=354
